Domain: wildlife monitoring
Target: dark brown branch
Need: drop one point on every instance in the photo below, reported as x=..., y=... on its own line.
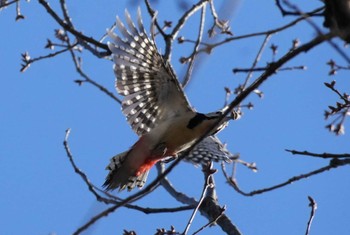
x=256, y=69
x=85, y=44
x=334, y=163
x=27, y=61
x=331, y=86
x=70, y=29
x=148, y=210
x=152, y=13
x=296, y=13
x=340, y=111
x=313, y=206
x=5, y=4
x=65, y=13
x=210, y=47
x=320, y=155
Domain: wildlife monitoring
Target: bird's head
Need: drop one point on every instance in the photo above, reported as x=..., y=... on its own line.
x=233, y=115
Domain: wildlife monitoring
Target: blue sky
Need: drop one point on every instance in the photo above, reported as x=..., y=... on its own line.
x=40, y=192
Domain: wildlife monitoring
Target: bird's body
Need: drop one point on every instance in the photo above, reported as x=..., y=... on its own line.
x=159, y=144
x=157, y=110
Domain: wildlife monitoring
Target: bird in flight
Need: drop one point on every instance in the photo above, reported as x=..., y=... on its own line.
x=157, y=109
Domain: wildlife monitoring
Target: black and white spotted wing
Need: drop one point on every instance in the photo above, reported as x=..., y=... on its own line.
x=152, y=92
x=209, y=149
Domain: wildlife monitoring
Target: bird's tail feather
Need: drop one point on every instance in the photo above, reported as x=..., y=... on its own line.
x=117, y=178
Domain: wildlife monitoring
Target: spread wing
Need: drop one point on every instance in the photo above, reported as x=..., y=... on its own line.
x=151, y=89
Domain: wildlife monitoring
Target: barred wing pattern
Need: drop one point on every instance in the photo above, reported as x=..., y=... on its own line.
x=134, y=181
x=209, y=149
x=152, y=92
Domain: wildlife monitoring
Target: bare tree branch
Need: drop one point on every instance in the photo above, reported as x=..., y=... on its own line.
x=257, y=59
x=77, y=63
x=68, y=27
x=27, y=61
x=192, y=57
x=257, y=69
x=4, y=4
x=334, y=163
x=320, y=155
x=170, y=38
x=210, y=223
x=313, y=206
x=210, y=47
x=296, y=13
x=207, y=185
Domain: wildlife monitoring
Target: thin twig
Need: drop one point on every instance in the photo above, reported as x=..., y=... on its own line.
x=285, y=12
x=207, y=185
x=87, y=78
x=170, y=38
x=320, y=155
x=213, y=221
x=152, y=13
x=210, y=47
x=256, y=69
x=341, y=96
x=313, y=206
x=210, y=195
x=5, y=4
x=256, y=60
x=27, y=63
x=148, y=210
x=334, y=163
x=82, y=174
x=192, y=57
x=19, y=15
x=72, y=30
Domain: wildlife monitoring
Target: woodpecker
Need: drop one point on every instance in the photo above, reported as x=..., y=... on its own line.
x=157, y=110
